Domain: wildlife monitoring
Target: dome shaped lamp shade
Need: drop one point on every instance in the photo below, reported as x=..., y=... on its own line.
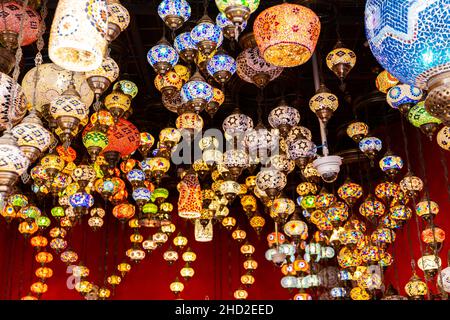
x=162, y=57
x=196, y=93
x=186, y=47
x=69, y=47
x=118, y=19
x=174, y=12
x=324, y=103
x=287, y=34
x=403, y=97
x=237, y=11
x=403, y=40
x=207, y=36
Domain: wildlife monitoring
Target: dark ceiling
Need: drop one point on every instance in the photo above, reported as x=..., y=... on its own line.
x=345, y=17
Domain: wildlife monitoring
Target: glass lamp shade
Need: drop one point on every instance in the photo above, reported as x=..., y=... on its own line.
x=283, y=118
x=443, y=138
x=341, y=60
x=68, y=106
x=123, y=211
x=127, y=87
x=306, y=188
x=189, y=121
x=237, y=11
x=141, y=195
x=11, y=13
x=239, y=235
x=416, y=288
x=324, y=103
x=299, y=132
x=12, y=100
x=371, y=208
x=370, y=146
x=190, y=199
x=287, y=34
x=385, y=81
x=391, y=164
x=271, y=181
x=429, y=264
x=402, y=96
x=252, y=68
x=235, y=160
x=196, y=93
x=183, y=72
x=81, y=200
x=419, y=117
x=162, y=57
x=240, y=294
x=237, y=124
x=282, y=163
x=295, y=228
x=176, y=287
x=427, y=209
x=13, y=161
x=206, y=35
x=123, y=138
x=221, y=67
x=174, y=12
x=83, y=174
x=261, y=141
x=108, y=70
x=400, y=212
x=383, y=236
x=301, y=148
x=51, y=83
x=357, y=131
x=68, y=45
x=282, y=208
x=31, y=133
x=95, y=142
x=168, y=83
x=185, y=47
x=173, y=103
x=402, y=40
x=337, y=213
x=350, y=192
x=169, y=136
x=118, y=15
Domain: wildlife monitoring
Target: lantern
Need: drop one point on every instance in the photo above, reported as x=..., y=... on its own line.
x=68, y=45
x=206, y=35
x=190, y=200
x=403, y=97
x=186, y=47
x=357, y=131
x=341, y=60
x=221, y=67
x=287, y=34
x=420, y=118
x=174, y=13
x=162, y=57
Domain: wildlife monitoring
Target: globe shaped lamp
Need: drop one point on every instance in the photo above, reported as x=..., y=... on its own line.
x=162, y=57
x=174, y=13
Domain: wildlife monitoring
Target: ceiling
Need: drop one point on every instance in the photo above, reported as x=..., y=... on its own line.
x=345, y=17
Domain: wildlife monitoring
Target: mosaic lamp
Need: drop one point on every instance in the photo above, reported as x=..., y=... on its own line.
x=370, y=146
x=323, y=103
x=118, y=19
x=357, y=131
x=272, y=182
x=283, y=118
x=287, y=34
x=68, y=46
x=403, y=40
x=162, y=57
x=196, y=93
x=341, y=60
x=186, y=47
x=443, y=138
x=403, y=97
x=101, y=78
x=221, y=67
x=206, y=35
x=420, y=118
x=190, y=199
x=174, y=12
x=168, y=83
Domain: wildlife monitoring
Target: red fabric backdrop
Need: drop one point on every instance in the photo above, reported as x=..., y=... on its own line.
x=219, y=264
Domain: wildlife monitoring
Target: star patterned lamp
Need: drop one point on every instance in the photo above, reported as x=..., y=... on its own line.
x=162, y=57
x=206, y=35
x=196, y=93
x=174, y=12
x=221, y=67
x=287, y=34
x=186, y=47
x=284, y=117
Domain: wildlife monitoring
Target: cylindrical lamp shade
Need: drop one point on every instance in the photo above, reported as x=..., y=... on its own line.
x=69, y=47
x=287, y=34
x=190, y=200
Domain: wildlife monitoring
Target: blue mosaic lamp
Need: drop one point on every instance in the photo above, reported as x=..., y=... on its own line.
x=81, y=201
x=221, y=67
x=174, y=12
x=141, y=196
x=196, y=93
x=162, y=57
x=391, y=164
x=185, y=47
x=403, y=97
x=230, y=31
x=410, y=39
x=370, y=146
x=206, y=35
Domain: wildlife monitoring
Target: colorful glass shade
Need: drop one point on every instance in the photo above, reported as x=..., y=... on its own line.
x=411, y=184
x=118, y=15
x=221, y=67
x=11, y=13
x=402, y=40
x=341, y=60
x=400, y=212
x=350, y=192
x=237, y=10
x=419, y=116
x=403, y=94
x=370, y=145
x=385, y=81
x=124, y=138
x=430, y=237
x=295, y=228
x=237, y=123
x=162, y=53
x=282, y=208
x=31, y=133
x=324, y=100
x=371, y=208
x=206, y=35
x=287, y=34
x=284, y=117
x=252, y=68
x=169, y=81
x=443, y=138
x=357, y=130
x=391, y=162
x=427, y=208
x=416, y=288
x=81, y=200
x=127, y=87
x=108, y=69
x=271, y=179
x=190, y=199
x=196, y=90
x=95, y=139
x=306, y=188
x=123, y=211
x=68, y=45
x=189, y=121
x=185, y=46
x=174, y=12
x=228, y=28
